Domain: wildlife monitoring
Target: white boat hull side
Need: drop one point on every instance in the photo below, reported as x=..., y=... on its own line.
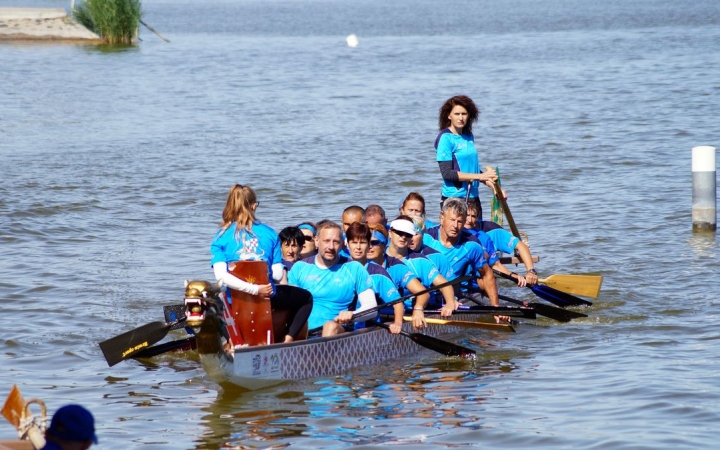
x=259, y=367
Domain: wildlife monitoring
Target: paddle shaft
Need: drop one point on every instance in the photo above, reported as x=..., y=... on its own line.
x=551, y=312
x=508, y=215
x=513, y=311
x=179, y=344
x=466, y=324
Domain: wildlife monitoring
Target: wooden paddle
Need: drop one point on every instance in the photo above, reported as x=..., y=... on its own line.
x=435, y=344
x=401, y=299
x=506, y=209
x=547, y=293
x=585, y=285
x=464, y=323
x=128, y=344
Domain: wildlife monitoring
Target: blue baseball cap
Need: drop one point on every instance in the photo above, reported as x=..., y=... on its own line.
x=73, y=423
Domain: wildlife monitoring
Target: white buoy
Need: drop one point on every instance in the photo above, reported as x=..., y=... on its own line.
x=352, y=41
x=704, y=198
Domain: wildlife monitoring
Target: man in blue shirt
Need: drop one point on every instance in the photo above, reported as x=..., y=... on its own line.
x=334, y=281
x=462, y=250
x=502, y=241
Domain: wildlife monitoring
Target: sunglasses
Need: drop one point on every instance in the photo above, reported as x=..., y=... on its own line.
x=308, y=238
x=375, y=243
x=402, y=234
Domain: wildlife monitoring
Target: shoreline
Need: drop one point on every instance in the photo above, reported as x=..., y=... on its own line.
x=42, y=25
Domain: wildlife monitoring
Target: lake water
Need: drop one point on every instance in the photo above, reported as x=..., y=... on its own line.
x=116, y=164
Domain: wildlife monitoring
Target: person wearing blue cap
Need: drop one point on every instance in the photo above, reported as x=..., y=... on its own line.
x=308, y=249
x=72, y=428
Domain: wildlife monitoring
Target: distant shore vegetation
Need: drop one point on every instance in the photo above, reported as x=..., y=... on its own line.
x=116, y=21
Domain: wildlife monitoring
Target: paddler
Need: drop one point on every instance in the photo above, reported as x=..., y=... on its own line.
x=243, y=238
x=402, y=276
x=334, y=281
x=464, y=252
x=358, y=240
x=502, y=241
x=402, y=231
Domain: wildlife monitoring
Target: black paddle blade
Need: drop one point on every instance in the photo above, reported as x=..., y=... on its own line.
x=176, y=345
x=559, y=314
x=564, y=296
x=435, y=344
x=444, y=347
x=547, y=296
x=127, y=344
x=500, y=310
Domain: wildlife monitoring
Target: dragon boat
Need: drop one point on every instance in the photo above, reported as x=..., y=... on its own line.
x=235, y=338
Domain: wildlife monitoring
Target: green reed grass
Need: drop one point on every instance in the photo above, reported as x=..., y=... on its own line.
x=116, y=21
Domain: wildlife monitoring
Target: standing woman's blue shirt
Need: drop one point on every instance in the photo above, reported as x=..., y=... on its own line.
x=460, y=149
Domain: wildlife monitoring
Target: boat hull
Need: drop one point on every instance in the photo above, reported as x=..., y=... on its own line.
x=262, y=366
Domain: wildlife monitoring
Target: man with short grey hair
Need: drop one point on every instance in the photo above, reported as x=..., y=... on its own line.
x=463, y=251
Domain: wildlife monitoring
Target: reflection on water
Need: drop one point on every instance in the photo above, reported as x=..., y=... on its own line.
x=405, y=405
x=703, y=245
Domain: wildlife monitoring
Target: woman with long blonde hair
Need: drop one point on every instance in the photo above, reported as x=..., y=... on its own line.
x=244, y=238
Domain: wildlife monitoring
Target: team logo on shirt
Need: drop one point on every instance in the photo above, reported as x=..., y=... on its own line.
x=250, y=250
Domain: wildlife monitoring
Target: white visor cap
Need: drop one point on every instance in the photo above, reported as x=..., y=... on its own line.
x=404, y=226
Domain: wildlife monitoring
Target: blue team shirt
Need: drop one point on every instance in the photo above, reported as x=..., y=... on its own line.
x=466, y=256
x=399, y=272
x=423, y=269
x=334, y=289
x=503, y=240
x=487, y=244
x=440, y=261
x=384, y=286
x=262, y=244
x=460, y=149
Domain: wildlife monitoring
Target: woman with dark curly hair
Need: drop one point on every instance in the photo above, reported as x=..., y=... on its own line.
x=455, y=150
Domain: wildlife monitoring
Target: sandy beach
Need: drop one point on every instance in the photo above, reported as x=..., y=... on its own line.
x=42, y=24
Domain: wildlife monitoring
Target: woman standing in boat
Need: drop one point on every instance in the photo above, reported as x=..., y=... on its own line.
x=243, y=238
x=455, y=150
